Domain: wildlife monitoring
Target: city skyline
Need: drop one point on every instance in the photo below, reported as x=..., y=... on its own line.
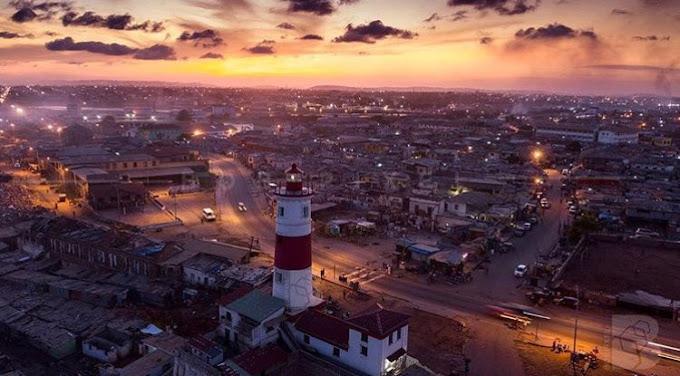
x=621, y=47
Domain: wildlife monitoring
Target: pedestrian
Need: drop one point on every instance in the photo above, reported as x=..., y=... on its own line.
x=554, y=345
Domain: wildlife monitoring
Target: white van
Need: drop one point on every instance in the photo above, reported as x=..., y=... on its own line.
x=208, y=215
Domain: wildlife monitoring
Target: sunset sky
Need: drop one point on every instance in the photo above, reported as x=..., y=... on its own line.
x=576, y=46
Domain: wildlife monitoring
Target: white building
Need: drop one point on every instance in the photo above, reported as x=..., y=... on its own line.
x=374, y=342
x=252, y=320
x=566, y=132
x=108, y=345
x=618, y=136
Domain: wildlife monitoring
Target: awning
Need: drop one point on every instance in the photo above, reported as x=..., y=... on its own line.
x=396, y=355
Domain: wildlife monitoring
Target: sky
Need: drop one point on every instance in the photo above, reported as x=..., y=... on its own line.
x=566, y=46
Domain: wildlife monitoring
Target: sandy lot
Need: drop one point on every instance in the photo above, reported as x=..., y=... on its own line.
x=624, y=266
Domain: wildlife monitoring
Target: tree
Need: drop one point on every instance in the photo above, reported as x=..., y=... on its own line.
x=184, y=116
x=574, y=147
x=583, y=225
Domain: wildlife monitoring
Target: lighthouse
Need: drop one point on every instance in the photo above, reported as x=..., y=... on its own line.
x=293, y=251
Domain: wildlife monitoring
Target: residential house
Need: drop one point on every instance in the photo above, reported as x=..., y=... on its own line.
x=374, y=342
x=251, y=320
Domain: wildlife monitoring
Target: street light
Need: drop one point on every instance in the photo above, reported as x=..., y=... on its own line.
x=537, y=155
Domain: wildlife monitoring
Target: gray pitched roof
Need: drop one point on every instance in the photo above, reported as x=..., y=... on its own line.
x=256, y=305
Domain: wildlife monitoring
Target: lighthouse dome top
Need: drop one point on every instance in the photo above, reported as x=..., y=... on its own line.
x=294, y=170
x=294, y=185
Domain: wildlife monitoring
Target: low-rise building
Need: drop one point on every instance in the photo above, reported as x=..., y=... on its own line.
x=374, y=342
x=251, y=320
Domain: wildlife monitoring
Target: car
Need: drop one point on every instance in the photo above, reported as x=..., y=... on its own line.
x=521, y=270
x=645, y=233
x=526, y=226
x=573, y=209
x=208, y=215
x=532, y=220
x=242, y=207
x=507, y=246
x=568, y=301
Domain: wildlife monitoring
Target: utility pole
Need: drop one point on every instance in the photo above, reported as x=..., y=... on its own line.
x=573, y=350
x=174, y=196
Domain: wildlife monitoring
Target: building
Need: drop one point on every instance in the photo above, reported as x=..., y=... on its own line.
x=108, y=345
x=374, y=342
x=251, y=320
x=573, y=132
x=617, y=136
x=206, y=350
x=293, y=252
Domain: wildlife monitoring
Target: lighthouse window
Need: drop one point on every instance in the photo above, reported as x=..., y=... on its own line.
x=281, y=212
x=279, y=277
x=305, y=212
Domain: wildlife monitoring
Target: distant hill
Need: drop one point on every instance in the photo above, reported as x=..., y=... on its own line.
x=391, y=88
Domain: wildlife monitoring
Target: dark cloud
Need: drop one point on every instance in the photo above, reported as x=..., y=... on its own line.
x=67, y=44
x=620, y=12
x=318, y=7
x=372, y=32
x=212, y=55
x=459, y=15
x=434, y=17
x=85, y=19
x=311, y=37
x=502, y=7
x=266, y=47
x=486, y=40
x=286, y=26
x=113, y=21
x=651, y=38
x=207, y=38
x=12, y=35
x=24, y=15
x=29, y=10
x=553, y=31
x=156, y=52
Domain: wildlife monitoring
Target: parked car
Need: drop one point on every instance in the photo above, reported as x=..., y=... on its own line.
x=568, y=301
x=521, y=270
x=208, y=215
x=538, y=296
x=646, y=233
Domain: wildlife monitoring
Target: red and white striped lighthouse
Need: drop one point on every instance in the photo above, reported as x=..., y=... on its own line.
x=293, y=254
